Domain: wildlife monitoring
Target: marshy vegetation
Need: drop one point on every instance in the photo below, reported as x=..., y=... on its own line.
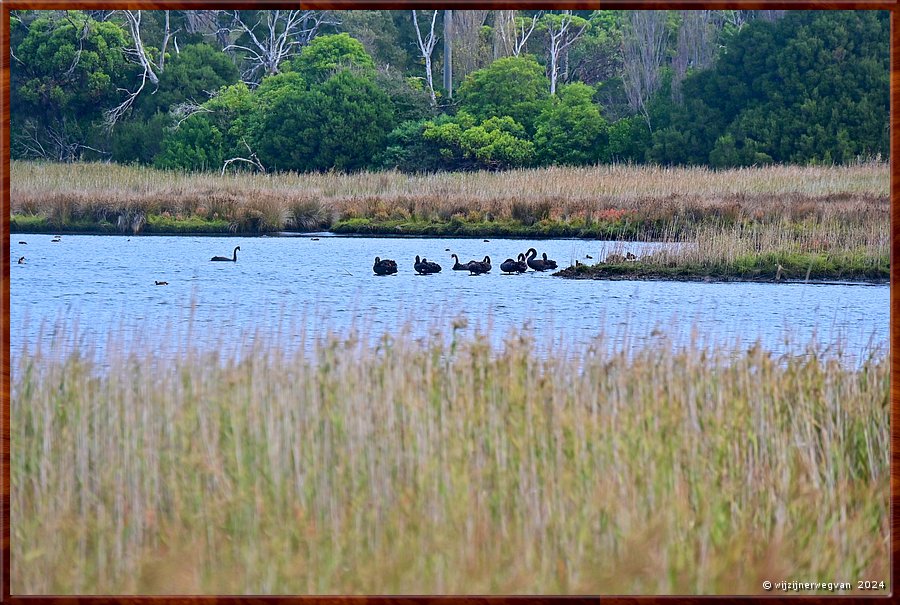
x=773, y=252
x=611, y=201
x=446, y=466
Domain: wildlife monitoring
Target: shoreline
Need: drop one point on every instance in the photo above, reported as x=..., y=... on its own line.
x=643, y=272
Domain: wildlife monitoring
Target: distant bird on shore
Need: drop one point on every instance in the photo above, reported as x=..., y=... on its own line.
x=384, y=267
x=630, y=256
x=225, y=258
x=162, y=283
x=21, y=260
x=425, y=267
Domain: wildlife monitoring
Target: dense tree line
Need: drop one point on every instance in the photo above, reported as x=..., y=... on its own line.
x=354, y=90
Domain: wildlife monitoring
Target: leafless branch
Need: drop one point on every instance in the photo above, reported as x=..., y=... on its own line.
x=426, y=48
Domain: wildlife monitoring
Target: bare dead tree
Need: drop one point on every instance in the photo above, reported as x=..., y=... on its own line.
x=644, y=49
x=276, y=36
x=563, y=30
x=469, y=50
x=696, y=46
x=524, y=29
x=252, y=159
x=168, y=34
x=426, y=48
x=182, y=111
x=504, y=33
x=138, y=54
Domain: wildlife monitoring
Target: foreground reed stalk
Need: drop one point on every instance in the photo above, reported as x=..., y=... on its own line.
x=447, y=467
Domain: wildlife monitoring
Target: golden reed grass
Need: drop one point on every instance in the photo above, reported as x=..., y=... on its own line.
x=855, y=194
x=446, y=466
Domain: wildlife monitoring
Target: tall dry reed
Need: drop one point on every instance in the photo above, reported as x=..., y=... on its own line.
x=446, y=466
x=852, y=194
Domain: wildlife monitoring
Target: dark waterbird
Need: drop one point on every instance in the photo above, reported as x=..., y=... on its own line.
x=538, y=264
x=551, y=264
x=477, y=267
x=161, y=283
x=21, y=260
x=457, y=266
x=514, y=266
x=23, y=243
x=384, y=267
x=225, y=258
x=424, y=267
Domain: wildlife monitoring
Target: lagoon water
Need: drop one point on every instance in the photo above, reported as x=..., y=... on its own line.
x=105, y=285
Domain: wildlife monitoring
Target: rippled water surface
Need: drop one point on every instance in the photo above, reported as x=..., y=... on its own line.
x=297, y=283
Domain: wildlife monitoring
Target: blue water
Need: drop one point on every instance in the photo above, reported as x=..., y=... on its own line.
x=297, y=285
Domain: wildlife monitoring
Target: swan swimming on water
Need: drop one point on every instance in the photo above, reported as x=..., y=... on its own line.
x=384, y=267
x=225, y=258
x=425, y=267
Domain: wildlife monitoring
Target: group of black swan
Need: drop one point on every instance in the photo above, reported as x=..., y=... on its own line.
x=475, y=267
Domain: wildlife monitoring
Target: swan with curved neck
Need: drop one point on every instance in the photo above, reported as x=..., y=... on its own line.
x=478, y=267
x=225, y=258
x=457, y=266
x=535, y=263
x=550, y=264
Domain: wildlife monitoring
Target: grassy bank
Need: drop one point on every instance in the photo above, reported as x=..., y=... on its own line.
x=762, y=253
x=614, y=202
x=423, y=467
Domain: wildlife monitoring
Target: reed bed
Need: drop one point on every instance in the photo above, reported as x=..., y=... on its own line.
x=826, y=250
x=446, y=466
x=617, y=194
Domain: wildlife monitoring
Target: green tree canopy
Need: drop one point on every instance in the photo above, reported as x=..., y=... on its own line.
x=327, y=54
x=194, y=74
x=571, y=130
x=512, y=86
x=340, y=124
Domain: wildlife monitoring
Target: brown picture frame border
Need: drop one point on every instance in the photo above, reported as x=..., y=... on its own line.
x=7, y=5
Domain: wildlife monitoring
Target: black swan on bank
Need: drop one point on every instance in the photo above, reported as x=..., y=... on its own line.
x=225, y=258
x=384, y=267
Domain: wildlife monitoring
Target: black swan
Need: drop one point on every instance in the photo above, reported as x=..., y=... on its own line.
x=523, y=266
x=25, y=243
x=457, y=266
x=161, y=283
x=536, y=264
x=550, y=264
x=424, y=267
x=21, y=260
x=514, y=266
x=477, y=267
x=225, y=258
x=384, y=267
x=509, y=266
